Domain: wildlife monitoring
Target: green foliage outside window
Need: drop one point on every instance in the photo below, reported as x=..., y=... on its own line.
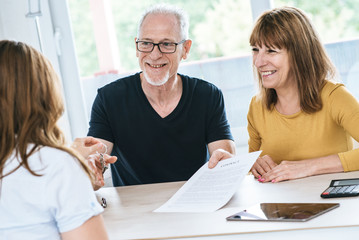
x=218, y=28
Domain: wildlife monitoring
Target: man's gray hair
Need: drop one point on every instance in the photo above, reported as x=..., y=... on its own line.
x=179, y=13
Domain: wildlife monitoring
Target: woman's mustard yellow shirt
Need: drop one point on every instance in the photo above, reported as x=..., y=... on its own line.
x=303, y=136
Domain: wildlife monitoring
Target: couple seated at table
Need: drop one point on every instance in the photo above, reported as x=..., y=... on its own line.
x=301, y=119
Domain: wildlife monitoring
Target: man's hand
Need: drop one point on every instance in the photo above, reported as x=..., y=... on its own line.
x=218, y=155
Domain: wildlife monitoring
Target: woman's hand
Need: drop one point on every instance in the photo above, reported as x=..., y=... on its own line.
x=97, y=167
x=87, y=146
x=95, y=153
x=262, y=166
x=288, y=170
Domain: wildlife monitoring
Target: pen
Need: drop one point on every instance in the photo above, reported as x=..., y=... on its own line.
x=103, y=202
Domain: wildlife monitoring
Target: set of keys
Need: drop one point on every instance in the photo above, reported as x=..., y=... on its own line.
x=104, y=166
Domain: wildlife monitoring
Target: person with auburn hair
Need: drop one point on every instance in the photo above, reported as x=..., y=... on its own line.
x=45, y=187
x=301, y=119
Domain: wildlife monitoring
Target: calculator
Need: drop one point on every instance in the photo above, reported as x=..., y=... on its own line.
x=342, y=188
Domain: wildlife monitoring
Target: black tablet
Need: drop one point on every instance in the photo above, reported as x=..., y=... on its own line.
x=291, y=212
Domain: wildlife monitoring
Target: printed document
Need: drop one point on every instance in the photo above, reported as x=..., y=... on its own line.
x=210, y=189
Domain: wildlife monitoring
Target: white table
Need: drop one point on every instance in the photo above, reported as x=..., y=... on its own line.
x=129, y=213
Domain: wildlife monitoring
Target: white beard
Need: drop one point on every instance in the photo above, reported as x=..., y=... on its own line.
x=157, y=82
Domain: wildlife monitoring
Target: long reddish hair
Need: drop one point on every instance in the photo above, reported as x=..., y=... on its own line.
x=290, y=29
x=30, y=105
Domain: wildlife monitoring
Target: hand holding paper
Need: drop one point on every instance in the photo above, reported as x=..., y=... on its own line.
x=210, y=189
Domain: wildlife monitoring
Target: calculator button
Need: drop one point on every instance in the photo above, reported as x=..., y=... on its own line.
x=356, y=189
x=342, y=189
x=335, y=190
x=349, y=189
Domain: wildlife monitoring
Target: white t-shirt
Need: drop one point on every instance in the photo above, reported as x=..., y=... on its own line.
x=42, y=207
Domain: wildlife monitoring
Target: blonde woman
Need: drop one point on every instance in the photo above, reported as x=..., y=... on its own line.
x=45, y=188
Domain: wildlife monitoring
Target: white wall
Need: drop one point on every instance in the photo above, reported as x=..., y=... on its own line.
x=15, y=25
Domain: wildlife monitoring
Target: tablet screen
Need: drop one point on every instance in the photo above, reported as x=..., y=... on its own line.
x=294, y=212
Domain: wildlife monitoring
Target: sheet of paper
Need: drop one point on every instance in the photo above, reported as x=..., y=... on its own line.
x=210, y=189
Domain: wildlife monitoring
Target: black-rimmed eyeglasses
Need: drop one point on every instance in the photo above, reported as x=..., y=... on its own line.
x=164, y=47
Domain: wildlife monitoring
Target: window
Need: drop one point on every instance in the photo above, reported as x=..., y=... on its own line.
x=231, y=18
x=220, y=52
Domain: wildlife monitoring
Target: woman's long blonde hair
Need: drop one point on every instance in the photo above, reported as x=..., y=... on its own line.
x=290, y=29
x=30, y=105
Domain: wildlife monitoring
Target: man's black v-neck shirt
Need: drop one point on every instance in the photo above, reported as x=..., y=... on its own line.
x=152, y=149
